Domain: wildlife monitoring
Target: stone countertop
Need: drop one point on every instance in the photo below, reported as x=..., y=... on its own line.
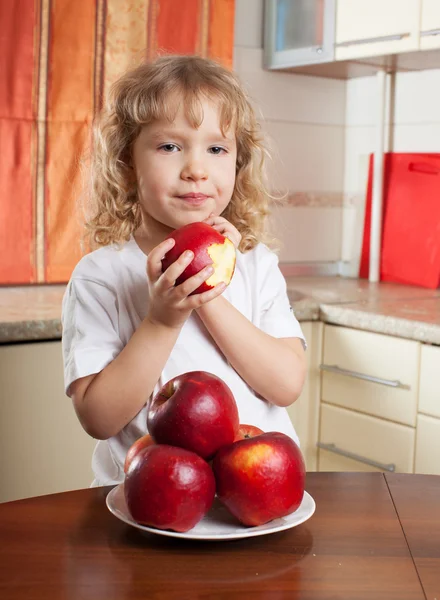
x=393, y=309
x=30, y=313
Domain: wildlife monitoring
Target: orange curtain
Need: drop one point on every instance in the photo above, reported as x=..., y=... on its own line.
x=57, y=61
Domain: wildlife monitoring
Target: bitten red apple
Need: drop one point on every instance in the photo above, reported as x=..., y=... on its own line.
x=247, y=431
x=196, y=411
x=169, y=488
x=141, y=443
x=261, y=478
x=210, y=248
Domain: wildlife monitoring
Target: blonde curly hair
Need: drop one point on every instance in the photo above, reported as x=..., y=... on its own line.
x=140, y=97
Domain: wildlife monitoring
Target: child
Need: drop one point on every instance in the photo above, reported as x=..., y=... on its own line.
x=178, y=143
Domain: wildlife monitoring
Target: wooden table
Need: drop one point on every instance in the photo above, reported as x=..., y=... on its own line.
x=372, y=536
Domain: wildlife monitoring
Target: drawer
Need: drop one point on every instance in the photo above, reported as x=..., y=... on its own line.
x=365, y=437
x=366, y=28
x=428, y=445
x=429, y=398
x=371, y=373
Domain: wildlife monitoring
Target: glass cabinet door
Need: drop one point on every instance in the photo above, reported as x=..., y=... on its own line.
x=298, y=32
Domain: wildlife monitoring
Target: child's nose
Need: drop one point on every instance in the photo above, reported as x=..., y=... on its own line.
x=194, y=170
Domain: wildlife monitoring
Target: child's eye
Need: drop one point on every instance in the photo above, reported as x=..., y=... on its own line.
x=169, y=148
x=217, y=150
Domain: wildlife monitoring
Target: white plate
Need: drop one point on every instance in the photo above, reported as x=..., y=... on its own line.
x=217, y=524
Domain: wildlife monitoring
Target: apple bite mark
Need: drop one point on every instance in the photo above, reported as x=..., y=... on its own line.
x=223, y=258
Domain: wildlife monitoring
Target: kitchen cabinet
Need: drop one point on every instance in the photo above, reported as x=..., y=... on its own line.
x=304, y=413
x=351, y=441
x=428, y=445
x=298, y=33
x=428, y=420
x=371, y=373
x=376, y=27
x=351, y=38
x=430, y=25
x=43, y=447
x=429, y=402
x=369, y=393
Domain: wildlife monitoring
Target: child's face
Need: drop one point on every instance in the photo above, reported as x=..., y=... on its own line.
x=184, y=174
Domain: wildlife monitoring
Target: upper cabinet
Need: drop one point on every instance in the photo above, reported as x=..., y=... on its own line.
x=351, y=38
x=375, y=27
x=430, y=25
x=298, y=32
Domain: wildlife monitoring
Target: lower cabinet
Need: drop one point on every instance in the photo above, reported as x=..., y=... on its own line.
x=379, y=403
x=351, y=441
x=43, y=447
x=428, y=418
x=304, y=413
x=428, y=445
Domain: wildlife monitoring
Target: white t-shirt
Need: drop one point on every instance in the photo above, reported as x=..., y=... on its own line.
x=105, y=301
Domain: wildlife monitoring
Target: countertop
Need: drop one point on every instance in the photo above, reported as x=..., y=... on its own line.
x=33, y=312
x=372, y=536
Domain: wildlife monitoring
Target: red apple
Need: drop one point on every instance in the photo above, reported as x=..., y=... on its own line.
x=210, y=248
x=247, y=431
x=169, y=488
x=196, y=411
x=141, y=443
x=261, y=478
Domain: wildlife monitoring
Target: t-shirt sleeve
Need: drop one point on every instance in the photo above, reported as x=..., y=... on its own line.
x=90, y=338
x=277, y=316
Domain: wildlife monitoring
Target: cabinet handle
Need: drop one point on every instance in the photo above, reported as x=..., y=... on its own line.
x=374, y=40
x=356, y=375
x=333, y=448
x=429, y=32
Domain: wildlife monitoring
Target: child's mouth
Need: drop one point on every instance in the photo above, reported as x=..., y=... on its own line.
x=194, y=199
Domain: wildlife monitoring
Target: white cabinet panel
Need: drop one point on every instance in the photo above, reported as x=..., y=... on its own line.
x=428, y=445
x=429, y=397
x=375, y=440
x=366, y=355
x=43, y=447
x=373, y=27
x=304, y=413
x=430, y=25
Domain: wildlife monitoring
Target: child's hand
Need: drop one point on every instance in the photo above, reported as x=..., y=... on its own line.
x=225, y=228
x=171, y=305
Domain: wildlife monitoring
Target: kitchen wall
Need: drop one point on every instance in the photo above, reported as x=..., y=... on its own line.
x=305, y=119
x=413, y=125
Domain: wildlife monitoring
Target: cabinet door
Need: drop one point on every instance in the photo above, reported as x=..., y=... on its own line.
x=298, y=33
x=428, y=445
x=430, y=25
x=373, y=27
x=43, y=447
x=429, y=394
x=371, y=373
x=350, y=441
x=304, y=413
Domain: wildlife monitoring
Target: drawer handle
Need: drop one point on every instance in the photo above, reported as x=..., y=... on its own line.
x=429, y=32
x=382, y=38
x=388, y=382
x=333, y=448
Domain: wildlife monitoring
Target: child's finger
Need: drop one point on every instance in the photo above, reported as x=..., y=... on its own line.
x=154, y=261
x=168, y=278
x=191, y=284
x=198, y=299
